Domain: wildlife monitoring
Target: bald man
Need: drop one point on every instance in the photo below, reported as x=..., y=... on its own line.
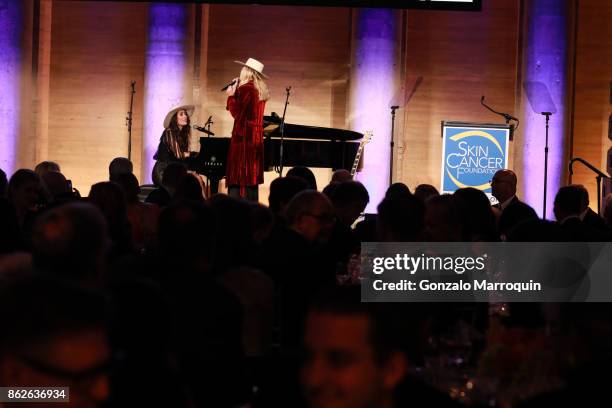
x=503, y=188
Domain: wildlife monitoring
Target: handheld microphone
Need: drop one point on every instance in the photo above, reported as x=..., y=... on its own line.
x=228, y=85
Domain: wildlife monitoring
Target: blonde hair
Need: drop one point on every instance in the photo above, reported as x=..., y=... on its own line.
x=248, y=74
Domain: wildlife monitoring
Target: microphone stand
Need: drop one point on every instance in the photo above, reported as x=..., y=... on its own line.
x=392, y=144
x=207, y=125
x=595, y=170
x=547, y=114
x=282, y=132
x=506, y=116
x=129, y=120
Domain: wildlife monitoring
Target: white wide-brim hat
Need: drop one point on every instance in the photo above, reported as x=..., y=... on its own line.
x=188, y=108
x=254, y=65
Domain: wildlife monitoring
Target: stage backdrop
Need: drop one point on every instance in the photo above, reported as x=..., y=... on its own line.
x=84, y=55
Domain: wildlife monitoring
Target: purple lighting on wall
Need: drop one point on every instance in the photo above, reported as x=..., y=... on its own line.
x=164, y=73
x=373, y=84
x=545, y=88
x=10, y=70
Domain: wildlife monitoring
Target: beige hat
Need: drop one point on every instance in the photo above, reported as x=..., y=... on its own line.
x=254, y=65
x=188, y=108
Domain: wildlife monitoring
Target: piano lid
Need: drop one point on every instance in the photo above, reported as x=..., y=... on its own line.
x=272, y=128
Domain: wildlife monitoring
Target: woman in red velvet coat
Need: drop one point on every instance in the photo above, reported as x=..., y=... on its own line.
x=246, y=102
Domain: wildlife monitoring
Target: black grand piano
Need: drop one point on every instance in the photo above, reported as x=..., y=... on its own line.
x=309, y=146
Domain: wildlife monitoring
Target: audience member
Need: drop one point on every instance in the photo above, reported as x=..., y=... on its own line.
x=477, y=218
x=425, y=191
x=588, y=216
x=45, y=166
x=119, y=166
x=310, y=214
x=282, y=190
x=59, y=190
x=355, y=356
x=295, y=258
x=607, y=210
x=54, y=334
x=442, y=220
x=3, y=184
x=305, y=174
x=189, y=187
x=142, y=216
x=503, y=188
x=24, y=193
x=400, y=219
x=70, y=242
x=340, y=176
x=210, y=353
x=568, y=206
x=397, y=190
x=110, y=199
x=513, y=216
x=210, y=299
x=234, y=256
x=173, y=174
x=349, y=199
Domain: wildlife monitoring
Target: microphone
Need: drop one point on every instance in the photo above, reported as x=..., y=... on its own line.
x=228, y=85
x=395, y=107
x=506, y=116
x=509, y=117
x=203, y=130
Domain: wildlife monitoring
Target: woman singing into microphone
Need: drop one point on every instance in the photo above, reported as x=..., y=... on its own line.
x=174, y=142
x=246, y=102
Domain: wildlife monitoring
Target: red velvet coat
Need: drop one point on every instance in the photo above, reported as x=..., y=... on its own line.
x=245, y=157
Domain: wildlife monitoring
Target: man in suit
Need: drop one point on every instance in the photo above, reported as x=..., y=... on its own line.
x=294, y=258
x=588, y=216
x=503, y=188
x=568, y=207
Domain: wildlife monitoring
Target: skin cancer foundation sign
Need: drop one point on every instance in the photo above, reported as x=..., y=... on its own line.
x=471, y=154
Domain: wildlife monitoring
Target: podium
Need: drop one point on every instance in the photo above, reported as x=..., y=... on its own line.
x=471, y=154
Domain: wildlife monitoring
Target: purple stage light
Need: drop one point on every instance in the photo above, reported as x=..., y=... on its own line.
x=374, y=82
x=164, y=73
x=10, y=71
x=545, y=87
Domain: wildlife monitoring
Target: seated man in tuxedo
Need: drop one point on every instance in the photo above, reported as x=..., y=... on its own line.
x=503, y=188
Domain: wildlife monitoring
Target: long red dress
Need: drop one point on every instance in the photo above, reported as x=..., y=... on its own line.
x=245, y=156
